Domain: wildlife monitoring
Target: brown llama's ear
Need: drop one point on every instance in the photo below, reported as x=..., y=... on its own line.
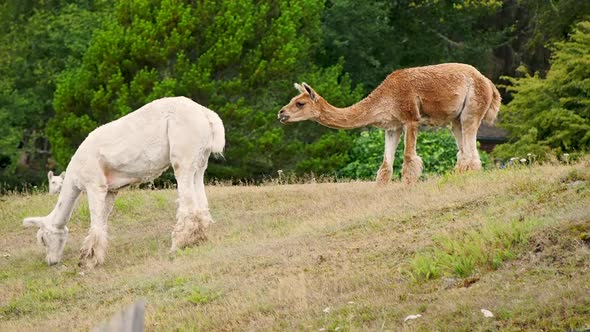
x=50, y=175
x=312, y=93
x=299, y=87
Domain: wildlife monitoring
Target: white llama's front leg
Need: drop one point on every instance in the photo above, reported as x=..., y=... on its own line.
x=391, y=141
x=93, y=251
x=192, y=217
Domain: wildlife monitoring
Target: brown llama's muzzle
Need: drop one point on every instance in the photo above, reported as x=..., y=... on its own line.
x=282, y=116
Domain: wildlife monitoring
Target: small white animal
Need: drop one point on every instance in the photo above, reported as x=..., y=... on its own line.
x=55, y=182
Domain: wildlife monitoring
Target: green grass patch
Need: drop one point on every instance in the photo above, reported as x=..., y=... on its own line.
x=465, y=254
x=200, y=295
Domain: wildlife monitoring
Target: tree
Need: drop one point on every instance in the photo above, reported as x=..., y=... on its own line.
x=355, y=31
x=38, y=42
x=552, y=115
x=239, y=58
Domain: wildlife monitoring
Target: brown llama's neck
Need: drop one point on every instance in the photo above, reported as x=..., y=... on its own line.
x=358, y=115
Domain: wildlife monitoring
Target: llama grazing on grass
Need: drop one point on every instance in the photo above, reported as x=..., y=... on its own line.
x=133, y=149
x=55, y=182
x=434, y=95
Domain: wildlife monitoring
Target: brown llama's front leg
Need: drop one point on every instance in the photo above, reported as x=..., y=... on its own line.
x=386, y=170
x=94, y=248
x=384, y=173
x=412, y=166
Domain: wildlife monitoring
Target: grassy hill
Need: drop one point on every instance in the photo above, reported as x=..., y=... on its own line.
x=323, y=256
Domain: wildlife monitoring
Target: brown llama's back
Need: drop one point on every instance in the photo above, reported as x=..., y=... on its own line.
x=437, y=93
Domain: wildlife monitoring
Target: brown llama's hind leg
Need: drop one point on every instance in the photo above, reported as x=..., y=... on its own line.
x=391, y=141
x=412, y=167
x=457, y=132
x=470, y=157
x=476, y=107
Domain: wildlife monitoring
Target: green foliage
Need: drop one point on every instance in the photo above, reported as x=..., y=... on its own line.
x=57, y=34
x=544, y=23
x=238, y=58
x=552, y=115
x=199, y=295
x=368, y=59
x=85, y=63
x=376, y=37
x=437, y=149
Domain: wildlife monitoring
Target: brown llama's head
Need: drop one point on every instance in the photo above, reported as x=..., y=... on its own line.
x=305, y=106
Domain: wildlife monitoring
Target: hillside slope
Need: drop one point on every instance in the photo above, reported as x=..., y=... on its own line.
x=333, y=256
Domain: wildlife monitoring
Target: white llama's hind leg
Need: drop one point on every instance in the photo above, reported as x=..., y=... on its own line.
x=202, y=201
x=189, y=140
x=193, y=216
x=191, y=219
x=93, y=251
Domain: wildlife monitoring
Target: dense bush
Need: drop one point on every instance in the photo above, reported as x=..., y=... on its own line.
x=437, y=148
x=552, y=115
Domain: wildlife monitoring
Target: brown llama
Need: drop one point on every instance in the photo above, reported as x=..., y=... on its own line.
x=434, y=95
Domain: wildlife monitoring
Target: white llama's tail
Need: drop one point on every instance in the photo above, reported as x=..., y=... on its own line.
x=217, y=131
x=492, y=112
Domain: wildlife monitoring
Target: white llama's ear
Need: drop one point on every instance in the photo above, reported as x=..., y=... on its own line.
x=50, y=175
x=299, y=87
x=33, y=221
x=312, y=94
x=63, y=175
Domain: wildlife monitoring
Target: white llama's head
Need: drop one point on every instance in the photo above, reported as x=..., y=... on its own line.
x=305, y=106
x=55, y=182
x=53, y=239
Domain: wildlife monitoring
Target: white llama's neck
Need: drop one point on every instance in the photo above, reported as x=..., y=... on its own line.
x=66, y=201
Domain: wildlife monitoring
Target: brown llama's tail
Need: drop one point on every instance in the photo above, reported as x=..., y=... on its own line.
x=494, y=108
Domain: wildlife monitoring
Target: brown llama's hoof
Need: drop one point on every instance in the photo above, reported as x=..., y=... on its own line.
x=383, y=177
x=411, y=170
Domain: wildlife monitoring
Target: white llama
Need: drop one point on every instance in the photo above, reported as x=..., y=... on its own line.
x=55, y=182
x=133, y=149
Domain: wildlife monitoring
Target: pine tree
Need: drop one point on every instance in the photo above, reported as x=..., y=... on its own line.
x=552, y=115
x=239, y=58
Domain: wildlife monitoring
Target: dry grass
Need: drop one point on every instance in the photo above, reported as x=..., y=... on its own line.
x=279, y=255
